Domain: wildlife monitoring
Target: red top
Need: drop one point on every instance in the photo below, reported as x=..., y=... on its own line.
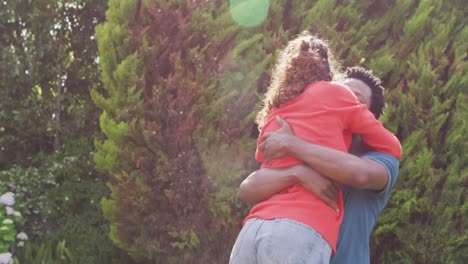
x=326, y=113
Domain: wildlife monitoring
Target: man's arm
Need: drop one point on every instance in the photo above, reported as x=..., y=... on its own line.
x=263, y=183
x=342, y=167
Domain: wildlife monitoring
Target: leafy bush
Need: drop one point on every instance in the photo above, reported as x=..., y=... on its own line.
x=59, y=196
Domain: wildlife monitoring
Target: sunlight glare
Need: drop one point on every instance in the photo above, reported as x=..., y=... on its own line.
x=249, y=13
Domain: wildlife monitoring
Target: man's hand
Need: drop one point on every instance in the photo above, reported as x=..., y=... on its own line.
x=274, y=144
x=324, y=188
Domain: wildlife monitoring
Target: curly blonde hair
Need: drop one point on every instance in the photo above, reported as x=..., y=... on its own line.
x=305, y=60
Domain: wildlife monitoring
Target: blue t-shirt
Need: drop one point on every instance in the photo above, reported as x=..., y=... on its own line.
x=361, y=209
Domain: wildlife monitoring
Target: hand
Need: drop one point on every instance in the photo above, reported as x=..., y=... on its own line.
x=274, y=144
x=324, y=188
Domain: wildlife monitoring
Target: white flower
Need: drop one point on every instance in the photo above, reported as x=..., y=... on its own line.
x=7, y=199
x=22, y=236
x=6, y=258
x=9, y=210
x=7, y=222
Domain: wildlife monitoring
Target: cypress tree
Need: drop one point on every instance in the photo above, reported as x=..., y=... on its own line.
x=159, y=62
x=425, y=68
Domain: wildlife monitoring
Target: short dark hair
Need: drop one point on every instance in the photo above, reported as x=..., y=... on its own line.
x=375, y=84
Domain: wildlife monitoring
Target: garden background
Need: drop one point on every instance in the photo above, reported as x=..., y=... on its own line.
x=126, y=126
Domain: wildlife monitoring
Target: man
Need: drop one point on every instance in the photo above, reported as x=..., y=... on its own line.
x=371, y=176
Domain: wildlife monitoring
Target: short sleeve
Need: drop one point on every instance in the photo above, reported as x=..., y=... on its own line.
x=391, y=165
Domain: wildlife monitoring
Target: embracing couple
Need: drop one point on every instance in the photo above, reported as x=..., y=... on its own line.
x=316, y=202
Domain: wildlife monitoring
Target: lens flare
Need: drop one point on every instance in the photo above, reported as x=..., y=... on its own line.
x=249, y=13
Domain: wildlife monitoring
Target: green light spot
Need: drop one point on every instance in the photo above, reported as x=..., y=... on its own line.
x=249, y=13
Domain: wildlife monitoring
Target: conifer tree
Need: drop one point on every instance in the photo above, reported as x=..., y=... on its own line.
x=159, y=63
x=425, y=68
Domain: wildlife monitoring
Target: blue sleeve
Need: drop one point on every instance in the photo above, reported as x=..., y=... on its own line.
x=391, y=165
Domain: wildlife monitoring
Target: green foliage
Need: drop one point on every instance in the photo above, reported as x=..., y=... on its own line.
x=48, y=65
x=47, y=252
x=47, y=119
x=421, y=70
x=59, y=197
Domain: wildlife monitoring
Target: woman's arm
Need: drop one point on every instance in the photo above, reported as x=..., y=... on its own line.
x=357, y=118
x=361, y=121
x=264, y=183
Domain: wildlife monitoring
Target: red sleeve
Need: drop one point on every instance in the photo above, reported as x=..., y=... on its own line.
x=372, y=131
x=359, y=120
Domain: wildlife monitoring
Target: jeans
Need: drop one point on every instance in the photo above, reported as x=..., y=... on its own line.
x=281, y=241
